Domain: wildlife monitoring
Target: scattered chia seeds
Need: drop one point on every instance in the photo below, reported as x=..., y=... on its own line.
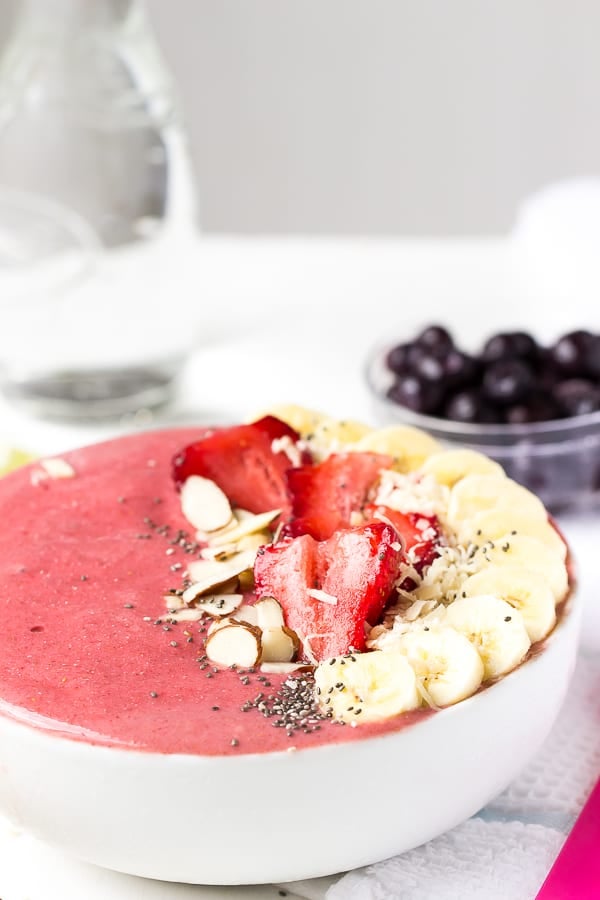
x=293, y=707
x=153, y=694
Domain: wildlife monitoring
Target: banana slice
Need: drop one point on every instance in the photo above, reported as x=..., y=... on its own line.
x=339, y=434
x=525, y=590
x=451, y=466
x=529, y=553
x=12, y=458
x=301, y=419
x=366, y=687
x=476, y=493
x=446, y=663
x=495, y=523
x=409, y=446
x=496, y=630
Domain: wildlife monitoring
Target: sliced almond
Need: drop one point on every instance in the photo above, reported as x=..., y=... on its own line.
x=254, y=541
x=269, y=613
x=210, y=574
x=220, y=552
x=57, y=467
x=174, y=601
x=219, y=623
x=189, y=614
x=204, y=504
x=205, y=536
x=244, y=527
x=280, y=668
x=242, y=514
x=322, y=596
x=219, y=605
x=246, y=613
x=234, y=644
x=279, y=644
x=247, y=581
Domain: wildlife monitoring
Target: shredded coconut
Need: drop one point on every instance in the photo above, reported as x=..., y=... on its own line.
x=286, y=445
x=322, y=596
x=412, y=493
x=439, y=585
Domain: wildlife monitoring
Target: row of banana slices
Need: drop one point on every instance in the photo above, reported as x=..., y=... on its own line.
x=504, y=601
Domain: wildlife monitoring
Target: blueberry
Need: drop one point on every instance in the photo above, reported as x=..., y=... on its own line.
x=570, y=351
x=543, y=405
x=592, y=357
x=510, y=345
x=464, y=407
x=576, y=397
x=398, y=358
x=436, y=338
x=540, y=407
x=415, y=393
x=519, y=415
x=429, y=367
x=507, y=382
x=460, y=369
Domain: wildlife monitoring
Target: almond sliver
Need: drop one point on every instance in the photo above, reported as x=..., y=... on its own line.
x=219, y=605
x=280, y=668
x=278, y=645
x=234, y=644
x=269, y=613
x=246, y=526
x=211, y=574
x=204, y=504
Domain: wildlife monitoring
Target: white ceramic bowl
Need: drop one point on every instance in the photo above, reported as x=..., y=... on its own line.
x=289, y=815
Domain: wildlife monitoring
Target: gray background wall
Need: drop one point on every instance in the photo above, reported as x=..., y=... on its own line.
x=389, y=116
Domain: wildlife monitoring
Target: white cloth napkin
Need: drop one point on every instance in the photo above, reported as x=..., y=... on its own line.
x=505, y=852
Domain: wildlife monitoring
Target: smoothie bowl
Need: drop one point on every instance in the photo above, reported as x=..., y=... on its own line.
x=272, y=651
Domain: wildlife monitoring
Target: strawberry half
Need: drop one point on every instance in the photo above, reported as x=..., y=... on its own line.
x=354, y=570
x=324, y=496
x=241, y=461
x=419, y=534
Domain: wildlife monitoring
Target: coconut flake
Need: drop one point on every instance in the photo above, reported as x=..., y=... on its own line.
x=322, y=596
x=286, y=445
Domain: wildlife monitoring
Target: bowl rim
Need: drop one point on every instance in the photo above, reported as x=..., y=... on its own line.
x=375, y=365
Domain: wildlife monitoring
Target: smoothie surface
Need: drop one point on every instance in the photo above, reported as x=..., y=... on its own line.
x=85, y=562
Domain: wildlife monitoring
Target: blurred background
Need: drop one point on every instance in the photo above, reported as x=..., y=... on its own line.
x=380, y=116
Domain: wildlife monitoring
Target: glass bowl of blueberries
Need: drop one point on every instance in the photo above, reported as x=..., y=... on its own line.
x=533, y=408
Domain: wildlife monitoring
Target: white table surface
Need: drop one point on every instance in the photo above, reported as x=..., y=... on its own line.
x=291, y=320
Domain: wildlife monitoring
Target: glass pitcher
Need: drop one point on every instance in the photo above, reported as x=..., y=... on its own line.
x=89, y=123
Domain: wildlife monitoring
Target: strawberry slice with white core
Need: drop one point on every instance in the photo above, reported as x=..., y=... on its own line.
x=331, y=591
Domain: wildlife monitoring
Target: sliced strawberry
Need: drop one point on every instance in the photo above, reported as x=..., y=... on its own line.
x=241, y=461
x=275, y=428
x=419, y=534
x=324, y=496
x=355, y=569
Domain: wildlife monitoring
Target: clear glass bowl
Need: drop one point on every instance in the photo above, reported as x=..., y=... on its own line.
x=559, y=460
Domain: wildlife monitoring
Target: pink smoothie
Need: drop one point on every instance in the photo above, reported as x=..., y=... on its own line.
x=84, y=566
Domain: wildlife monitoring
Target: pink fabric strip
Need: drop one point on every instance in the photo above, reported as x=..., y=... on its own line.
x=576, y=873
